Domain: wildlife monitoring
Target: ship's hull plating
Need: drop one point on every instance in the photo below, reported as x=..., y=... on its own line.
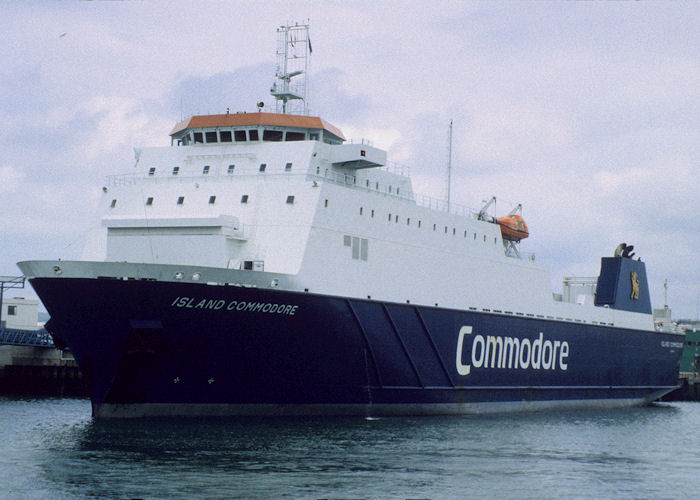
x=155, y=348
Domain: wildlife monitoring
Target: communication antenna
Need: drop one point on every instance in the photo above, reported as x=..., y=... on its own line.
x=449, y=169
x=290, y=87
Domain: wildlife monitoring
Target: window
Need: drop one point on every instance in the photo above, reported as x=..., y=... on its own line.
x=454, y=231
x=211, y=136
x=288, y=167
x=176, y=170
x=239, y=135
x=180, y=200
x=198, y=137
x=434, y=227
x=12, y=310
x=371, y=214
x=263, y=166
x=231, y=168
x=212, y=200
x=359, y=246
x=290, y=199
x=225, y=136
x=244, y=198
x=205, y=170
x=419, y=222
x=272, y=135
x=313, y=136
x=325, y=204
x=295, y=136
x=445, y=229
x=389, y=217
x=152, y=171
x=408, y=221
x=253, y=135
x=149, y=201
x=360, y=210
x=113, y=204
x=396, y=219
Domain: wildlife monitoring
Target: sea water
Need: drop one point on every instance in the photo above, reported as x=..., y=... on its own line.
x=52, y=448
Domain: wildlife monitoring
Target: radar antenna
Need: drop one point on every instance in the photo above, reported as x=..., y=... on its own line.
x=293, y=51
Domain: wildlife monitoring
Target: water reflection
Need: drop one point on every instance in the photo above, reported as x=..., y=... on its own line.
x=627, y=452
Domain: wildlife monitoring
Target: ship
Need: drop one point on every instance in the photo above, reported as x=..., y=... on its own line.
x=262, y=264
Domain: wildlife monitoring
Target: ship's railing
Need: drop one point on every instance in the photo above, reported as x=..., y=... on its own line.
x=325, y=175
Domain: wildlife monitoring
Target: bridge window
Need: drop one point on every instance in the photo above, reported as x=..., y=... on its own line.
x=225, y=136
x=272, y=135
x=313, y=136
x=253, y=135
x=295, y=136
x=198, y=137
x=211, y=137
x=239, y=135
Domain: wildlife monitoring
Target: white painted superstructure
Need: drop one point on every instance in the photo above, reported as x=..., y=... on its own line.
x=294, y=198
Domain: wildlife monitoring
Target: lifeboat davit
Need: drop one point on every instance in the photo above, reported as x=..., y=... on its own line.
x=513, y=228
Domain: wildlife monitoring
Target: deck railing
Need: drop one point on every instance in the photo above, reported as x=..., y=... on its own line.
x=323, y=175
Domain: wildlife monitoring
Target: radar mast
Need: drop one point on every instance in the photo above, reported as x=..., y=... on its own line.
x=293, y=51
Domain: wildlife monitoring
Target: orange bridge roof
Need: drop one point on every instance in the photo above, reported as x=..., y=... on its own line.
x=242, y=119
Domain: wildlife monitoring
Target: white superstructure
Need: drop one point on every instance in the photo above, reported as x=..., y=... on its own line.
x=288, y=195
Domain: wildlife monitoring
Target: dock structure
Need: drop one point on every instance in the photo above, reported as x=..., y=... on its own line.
x=29, y=338
x=30, y=362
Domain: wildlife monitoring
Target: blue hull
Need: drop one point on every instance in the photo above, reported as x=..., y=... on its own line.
x=163, y=348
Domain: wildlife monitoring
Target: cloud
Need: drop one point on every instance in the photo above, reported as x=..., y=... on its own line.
x=586, y=113
x=10, y=179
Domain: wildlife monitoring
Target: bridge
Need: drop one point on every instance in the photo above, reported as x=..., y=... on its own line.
x=32, y=338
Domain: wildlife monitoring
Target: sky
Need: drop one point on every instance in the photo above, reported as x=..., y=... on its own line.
x=587, y=113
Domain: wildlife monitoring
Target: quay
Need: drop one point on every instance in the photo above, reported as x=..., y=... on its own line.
x=30, y=363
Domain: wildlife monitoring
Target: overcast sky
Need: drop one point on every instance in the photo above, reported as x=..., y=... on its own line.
x=587, y=113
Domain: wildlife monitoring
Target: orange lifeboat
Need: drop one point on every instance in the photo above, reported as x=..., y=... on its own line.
x=513, y=227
